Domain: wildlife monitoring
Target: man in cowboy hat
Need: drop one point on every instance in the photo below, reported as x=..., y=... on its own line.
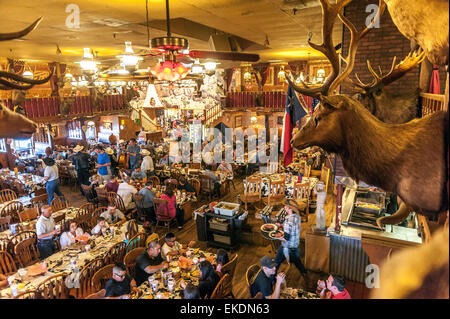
x=147, y=163
x=81, y=162
x=291, y=240
x=110, y=152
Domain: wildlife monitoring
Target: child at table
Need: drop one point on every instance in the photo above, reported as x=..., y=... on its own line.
x=101, y=227
x=69, y=236
x=221, y=259
x=131, y=231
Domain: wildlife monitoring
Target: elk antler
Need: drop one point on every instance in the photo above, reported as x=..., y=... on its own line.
x=19, y=34
x=329, y=14
x=396, y=72
x=17, y=81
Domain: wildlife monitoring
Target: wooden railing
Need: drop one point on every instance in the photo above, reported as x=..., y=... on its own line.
x=274, y=99
x=432, y=103
x=36, y=108
x=212, y=114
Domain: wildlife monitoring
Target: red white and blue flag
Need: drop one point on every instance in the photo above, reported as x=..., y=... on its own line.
x=292, y=118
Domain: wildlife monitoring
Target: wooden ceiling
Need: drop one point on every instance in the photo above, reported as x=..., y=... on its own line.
x=106, y=24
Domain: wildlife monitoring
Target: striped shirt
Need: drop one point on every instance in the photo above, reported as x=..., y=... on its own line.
x=292, y=227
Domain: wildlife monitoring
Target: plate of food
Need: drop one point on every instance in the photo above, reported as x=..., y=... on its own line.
x=276, y=234
x=269, y=228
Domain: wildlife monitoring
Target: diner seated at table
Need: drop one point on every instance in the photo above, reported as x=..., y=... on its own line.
x=221, y=259
x=191, y=292
x=45, y=230
x=172, y=208
x=149, y=262
x=225, y=168
x=208, y=279
x=101, y=228
x=95, y=180
x=208, y=172
x=126, y=191
x=68, y=237
x=120, y=285
x=164, y=160
x=267, y=281
x=332, y=288
x=183, y=184
x=113, y=184
x=138, y=175
x=147, y=201
x=113, y=215
x=172, y=248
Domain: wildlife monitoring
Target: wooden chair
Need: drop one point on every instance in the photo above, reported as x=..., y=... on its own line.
x=224, y=288
x=26, y=252
x=118, y=202
x=250, y=275
x=7, y=195
x=195, y=165
x=136, y=241
x=140, y=211
x=151, y=238
x=230, y=267
x=161, y=217
x=101, y=276
x=154, y=180
x=207, y=186
x=7, y=264
x=32, y=294
x=301, y=195
x=60, y=220
x=102, y=196
x=116, y=253
x=276, y=193
x=20, y=188
x=59, y=203
x=21, y=236
x=252, y=191
x=40, y=191
x=28, y=214
x=97, y=295
x=130, y=259
x=171, y=181
x=12, y=209
x=39, y=200
x=54, y=287
x=84, y=217
x=86, y=288
x=88, y=207
x=4, y=223
x=196, y=184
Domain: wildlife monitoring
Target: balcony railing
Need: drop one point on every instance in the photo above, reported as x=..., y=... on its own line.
x=274, y=99
x=432, y=103
x=36, y=108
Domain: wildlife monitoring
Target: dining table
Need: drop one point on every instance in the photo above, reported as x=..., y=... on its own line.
x=166, y=284
x=297, y=293
x=68, y=261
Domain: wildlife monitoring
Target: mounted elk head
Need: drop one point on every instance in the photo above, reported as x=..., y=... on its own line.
x=394, y=157
x=18, y=125
x=387, y=107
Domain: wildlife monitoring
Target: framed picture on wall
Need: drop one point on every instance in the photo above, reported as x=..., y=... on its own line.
x=280, y=120
x=238, y=121
x=107, y=126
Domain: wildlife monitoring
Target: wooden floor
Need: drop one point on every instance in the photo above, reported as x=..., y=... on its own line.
x=248, y=254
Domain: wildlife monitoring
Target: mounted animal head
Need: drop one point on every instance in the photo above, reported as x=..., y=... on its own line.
x=10, y=80
x=15, y=125
x=385, y=106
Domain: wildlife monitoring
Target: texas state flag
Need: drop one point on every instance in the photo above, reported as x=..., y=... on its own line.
x=292, y=117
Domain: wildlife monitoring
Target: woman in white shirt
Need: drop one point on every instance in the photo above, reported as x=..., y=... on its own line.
x=68, y=237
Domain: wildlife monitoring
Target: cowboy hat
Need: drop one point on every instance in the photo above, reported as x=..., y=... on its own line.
x=78, y=148
x=296, y=206
x=109, y=151
x=121, y=141
x=145, y=152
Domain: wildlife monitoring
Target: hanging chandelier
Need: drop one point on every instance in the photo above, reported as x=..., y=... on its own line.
x=169, y=71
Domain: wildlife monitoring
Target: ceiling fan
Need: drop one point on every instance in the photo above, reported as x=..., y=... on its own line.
x=174, y=49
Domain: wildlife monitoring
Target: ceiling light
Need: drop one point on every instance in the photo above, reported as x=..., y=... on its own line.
x=169, y=71
x=27, y=74
x=69, y=75
x=129, y=59
x=197, y=68
x=88, y=64
x=210, y=66
x=281, y=74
